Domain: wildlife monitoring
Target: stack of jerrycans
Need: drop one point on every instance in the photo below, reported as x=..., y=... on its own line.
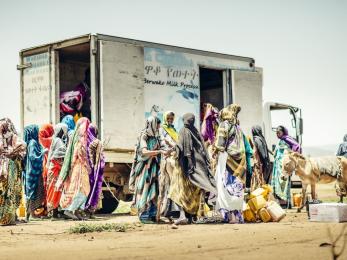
x=261, y=207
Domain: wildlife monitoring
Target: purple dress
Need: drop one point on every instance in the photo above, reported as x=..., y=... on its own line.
x=97, y=165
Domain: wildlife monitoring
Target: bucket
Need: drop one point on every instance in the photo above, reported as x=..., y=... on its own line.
x=297, y=199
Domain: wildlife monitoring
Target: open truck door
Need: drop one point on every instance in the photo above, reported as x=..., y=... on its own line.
x=276, y=114
x=247, y=92
x=37, y=72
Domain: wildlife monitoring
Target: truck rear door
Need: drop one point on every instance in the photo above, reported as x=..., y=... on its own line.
x=247, y=92
x=36, y=72
x=121, y=95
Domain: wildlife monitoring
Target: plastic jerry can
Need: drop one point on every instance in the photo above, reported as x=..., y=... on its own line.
x=257, y=203
x=264, y=215
x=248, y=214
x=258, y=192
x=275, y=210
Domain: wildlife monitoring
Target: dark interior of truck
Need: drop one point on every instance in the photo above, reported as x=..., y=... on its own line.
x=211, y=87
x=74, y=81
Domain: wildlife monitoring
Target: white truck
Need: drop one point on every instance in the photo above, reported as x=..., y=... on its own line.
x=129, y=79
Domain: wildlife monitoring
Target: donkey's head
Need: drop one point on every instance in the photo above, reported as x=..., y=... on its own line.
x=290, y=163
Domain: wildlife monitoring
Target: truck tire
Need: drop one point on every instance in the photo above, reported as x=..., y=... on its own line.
x=109, y=204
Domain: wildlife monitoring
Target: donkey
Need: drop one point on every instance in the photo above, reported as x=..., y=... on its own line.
x=311, y=171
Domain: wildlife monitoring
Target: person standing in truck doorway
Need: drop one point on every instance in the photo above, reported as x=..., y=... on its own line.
x=77, y=102
x=342, y=151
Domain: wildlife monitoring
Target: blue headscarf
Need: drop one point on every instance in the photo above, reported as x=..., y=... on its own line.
x=33, y=161
x=69, y=121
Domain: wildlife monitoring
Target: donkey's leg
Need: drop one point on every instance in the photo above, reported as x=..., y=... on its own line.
x=313, y=191
x=304, y=197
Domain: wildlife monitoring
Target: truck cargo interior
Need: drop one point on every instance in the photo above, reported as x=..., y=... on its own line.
x=211, y=87
x=74, y=74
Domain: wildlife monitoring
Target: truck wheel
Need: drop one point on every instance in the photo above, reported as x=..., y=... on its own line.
x=109, y=204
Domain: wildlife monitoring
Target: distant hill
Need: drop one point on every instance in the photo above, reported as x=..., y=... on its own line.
x=322, y=150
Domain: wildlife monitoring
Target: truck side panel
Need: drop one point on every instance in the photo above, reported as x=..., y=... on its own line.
x=122, y=94
x=247, y=92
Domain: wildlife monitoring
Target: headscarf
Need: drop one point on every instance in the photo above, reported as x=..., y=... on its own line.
x=230, y=113
x=342, y=150
x=33, y=160
x=79, y=136
x=8, y=132
x=293, y=144
x=170, y=129
x=10, y=146
x=59, y=142
x=45, y=135
x=97, y=165
x=187, y=133
x=209, y=124
x=151, y=127
x=70, y=122
x=260, y=144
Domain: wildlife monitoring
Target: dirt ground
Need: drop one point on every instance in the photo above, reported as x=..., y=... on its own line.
x=293, y=238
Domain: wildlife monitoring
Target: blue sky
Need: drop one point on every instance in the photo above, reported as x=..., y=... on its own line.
x=301, y=45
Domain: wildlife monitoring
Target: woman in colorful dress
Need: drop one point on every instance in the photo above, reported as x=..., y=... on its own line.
x=32, y=174
x=74, y=175
x=281, y=188
x=45, y=138
x=145, y=171
x=231, y=167
x=209, y=129
x=54, y=163
x=97, y=164
x=169, y=138
x=12, y=151
x=194, y=160
x=262, y=166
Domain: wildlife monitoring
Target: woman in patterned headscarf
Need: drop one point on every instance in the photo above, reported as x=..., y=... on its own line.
x=231, y=168
x=145, y=171
x=55, y=160
x=45, y=138
x=69, y=121
x=32, y=174
x=97, y=164
x=74, y=175
x=12, y=151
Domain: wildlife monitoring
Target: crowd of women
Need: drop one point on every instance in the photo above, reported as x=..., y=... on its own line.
x=59, y=167
x=178, y=175
x=183, y=175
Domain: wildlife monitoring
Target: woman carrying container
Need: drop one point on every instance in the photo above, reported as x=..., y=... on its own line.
x=281, y=188
x=12, y=151
x=231, y=166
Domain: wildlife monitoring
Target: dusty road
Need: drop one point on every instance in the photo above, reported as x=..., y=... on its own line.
x=293, y=238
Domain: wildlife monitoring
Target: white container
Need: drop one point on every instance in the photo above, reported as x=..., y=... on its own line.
x=275, y=210
x=328, y=212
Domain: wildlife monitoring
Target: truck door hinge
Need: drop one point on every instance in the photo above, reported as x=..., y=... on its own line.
x=24, y=66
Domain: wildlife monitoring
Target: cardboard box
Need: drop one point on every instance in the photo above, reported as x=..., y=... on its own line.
x=328, y=212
